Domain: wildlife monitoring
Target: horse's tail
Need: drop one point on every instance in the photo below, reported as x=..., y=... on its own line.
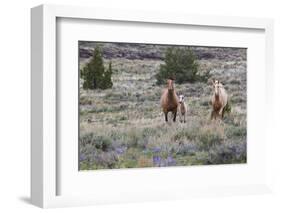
x=227, y=107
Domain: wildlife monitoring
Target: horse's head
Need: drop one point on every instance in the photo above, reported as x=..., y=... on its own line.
x=181, y=99
x=170, y=84
x=217, y=85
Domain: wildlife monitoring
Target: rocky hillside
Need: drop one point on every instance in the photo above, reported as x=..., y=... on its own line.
x=156, y=52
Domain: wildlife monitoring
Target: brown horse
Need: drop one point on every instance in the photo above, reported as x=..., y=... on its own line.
x=219, y=100
x=169, y=100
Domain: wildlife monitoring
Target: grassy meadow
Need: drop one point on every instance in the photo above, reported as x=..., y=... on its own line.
x=124, y=126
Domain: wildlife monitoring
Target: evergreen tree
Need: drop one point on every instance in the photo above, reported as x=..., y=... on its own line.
x=180, y=64
x=107, y=82
x=94, y=73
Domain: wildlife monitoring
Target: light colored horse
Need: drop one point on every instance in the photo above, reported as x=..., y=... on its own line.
x=182, y=109
x=219, y=100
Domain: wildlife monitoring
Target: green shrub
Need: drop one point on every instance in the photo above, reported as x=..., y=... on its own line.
x=209, y=138
x=238, y=131
x=94, y=74
x=99, y=142
x=184, y=134
x=103, y=143
x=181, y=64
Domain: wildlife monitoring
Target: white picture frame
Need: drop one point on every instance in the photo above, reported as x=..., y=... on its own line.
x=44, y=154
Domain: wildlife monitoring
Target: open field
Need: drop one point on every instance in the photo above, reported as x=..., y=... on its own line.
x=124, y=127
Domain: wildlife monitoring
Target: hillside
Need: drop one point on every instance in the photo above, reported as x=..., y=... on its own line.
x=156, y=52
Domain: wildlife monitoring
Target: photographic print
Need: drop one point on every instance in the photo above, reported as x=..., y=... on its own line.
x=154, y=105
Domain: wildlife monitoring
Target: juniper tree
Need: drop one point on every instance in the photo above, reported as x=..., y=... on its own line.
x=181, y=64
x=107, y=82
x=94, y=74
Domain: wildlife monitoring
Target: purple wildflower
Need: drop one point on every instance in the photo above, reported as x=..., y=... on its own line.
x=82, y=157
x=171, y=161
x=120, y=150
x=157, y=160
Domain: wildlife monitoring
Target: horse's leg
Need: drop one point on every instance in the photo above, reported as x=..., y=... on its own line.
x=175, y=116
x=166, y=116
x=212, y=115
x=221, y=112
x=180, y=116
x=184, y=117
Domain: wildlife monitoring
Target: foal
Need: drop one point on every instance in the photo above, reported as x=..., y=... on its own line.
x=182, y=109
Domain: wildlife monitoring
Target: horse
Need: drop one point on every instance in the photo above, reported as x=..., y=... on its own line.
x=182, y=109
x=219, y=100
x=169, y=100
